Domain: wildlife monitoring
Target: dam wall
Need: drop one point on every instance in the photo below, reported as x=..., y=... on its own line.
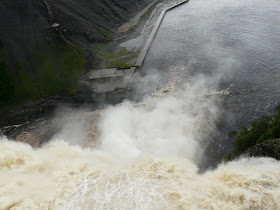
x=111, y=83
x=147, y=46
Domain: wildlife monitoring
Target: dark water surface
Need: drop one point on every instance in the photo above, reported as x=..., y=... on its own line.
x=238, y=43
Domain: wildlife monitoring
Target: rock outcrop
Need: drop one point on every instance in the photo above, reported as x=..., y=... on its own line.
x=270, y=148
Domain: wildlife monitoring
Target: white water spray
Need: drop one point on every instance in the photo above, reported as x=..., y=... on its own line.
x=145, y=160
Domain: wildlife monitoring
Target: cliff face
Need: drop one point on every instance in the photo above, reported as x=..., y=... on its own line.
x=24, y=25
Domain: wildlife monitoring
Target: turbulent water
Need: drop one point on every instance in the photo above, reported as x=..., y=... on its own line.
x=60, y=176
x=145, y=158
x=144, y=155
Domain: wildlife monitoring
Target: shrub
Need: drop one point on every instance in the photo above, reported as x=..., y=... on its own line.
x=246, y=138
x=262, y=129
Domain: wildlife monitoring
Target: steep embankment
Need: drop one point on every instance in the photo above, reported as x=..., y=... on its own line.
x=26, y=24
x=40, y=61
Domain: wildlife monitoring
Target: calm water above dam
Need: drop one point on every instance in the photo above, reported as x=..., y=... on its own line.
x=235, y=45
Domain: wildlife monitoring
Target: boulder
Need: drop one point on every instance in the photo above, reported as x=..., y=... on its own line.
x=30, y=138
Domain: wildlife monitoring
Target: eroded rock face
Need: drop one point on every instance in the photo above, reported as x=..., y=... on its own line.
x=270, y=148
x=94, y=18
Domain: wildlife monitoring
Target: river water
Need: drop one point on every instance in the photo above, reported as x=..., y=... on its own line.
x=234, y=44
x=207, y=72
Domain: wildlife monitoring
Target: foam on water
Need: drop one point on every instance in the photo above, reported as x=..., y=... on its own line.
x=145, y=160
x=60, y=176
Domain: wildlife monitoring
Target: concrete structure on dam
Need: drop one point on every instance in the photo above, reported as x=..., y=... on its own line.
x=108, y=80
x=117, y=79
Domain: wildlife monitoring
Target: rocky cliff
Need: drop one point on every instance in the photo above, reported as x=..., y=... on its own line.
x=25, y=25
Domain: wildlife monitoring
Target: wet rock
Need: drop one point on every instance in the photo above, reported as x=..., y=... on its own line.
x=32, y=139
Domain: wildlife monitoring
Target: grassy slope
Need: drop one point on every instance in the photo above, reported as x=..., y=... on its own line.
x=109, y=57
x=53, y=70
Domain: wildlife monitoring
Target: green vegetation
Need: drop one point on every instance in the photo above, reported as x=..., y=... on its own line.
x=108, y=32
x=262, y=130
x=54, y=69
x=109, y=57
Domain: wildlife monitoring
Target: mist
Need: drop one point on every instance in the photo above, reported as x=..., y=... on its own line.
x=165, y=124
x=145, y=156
